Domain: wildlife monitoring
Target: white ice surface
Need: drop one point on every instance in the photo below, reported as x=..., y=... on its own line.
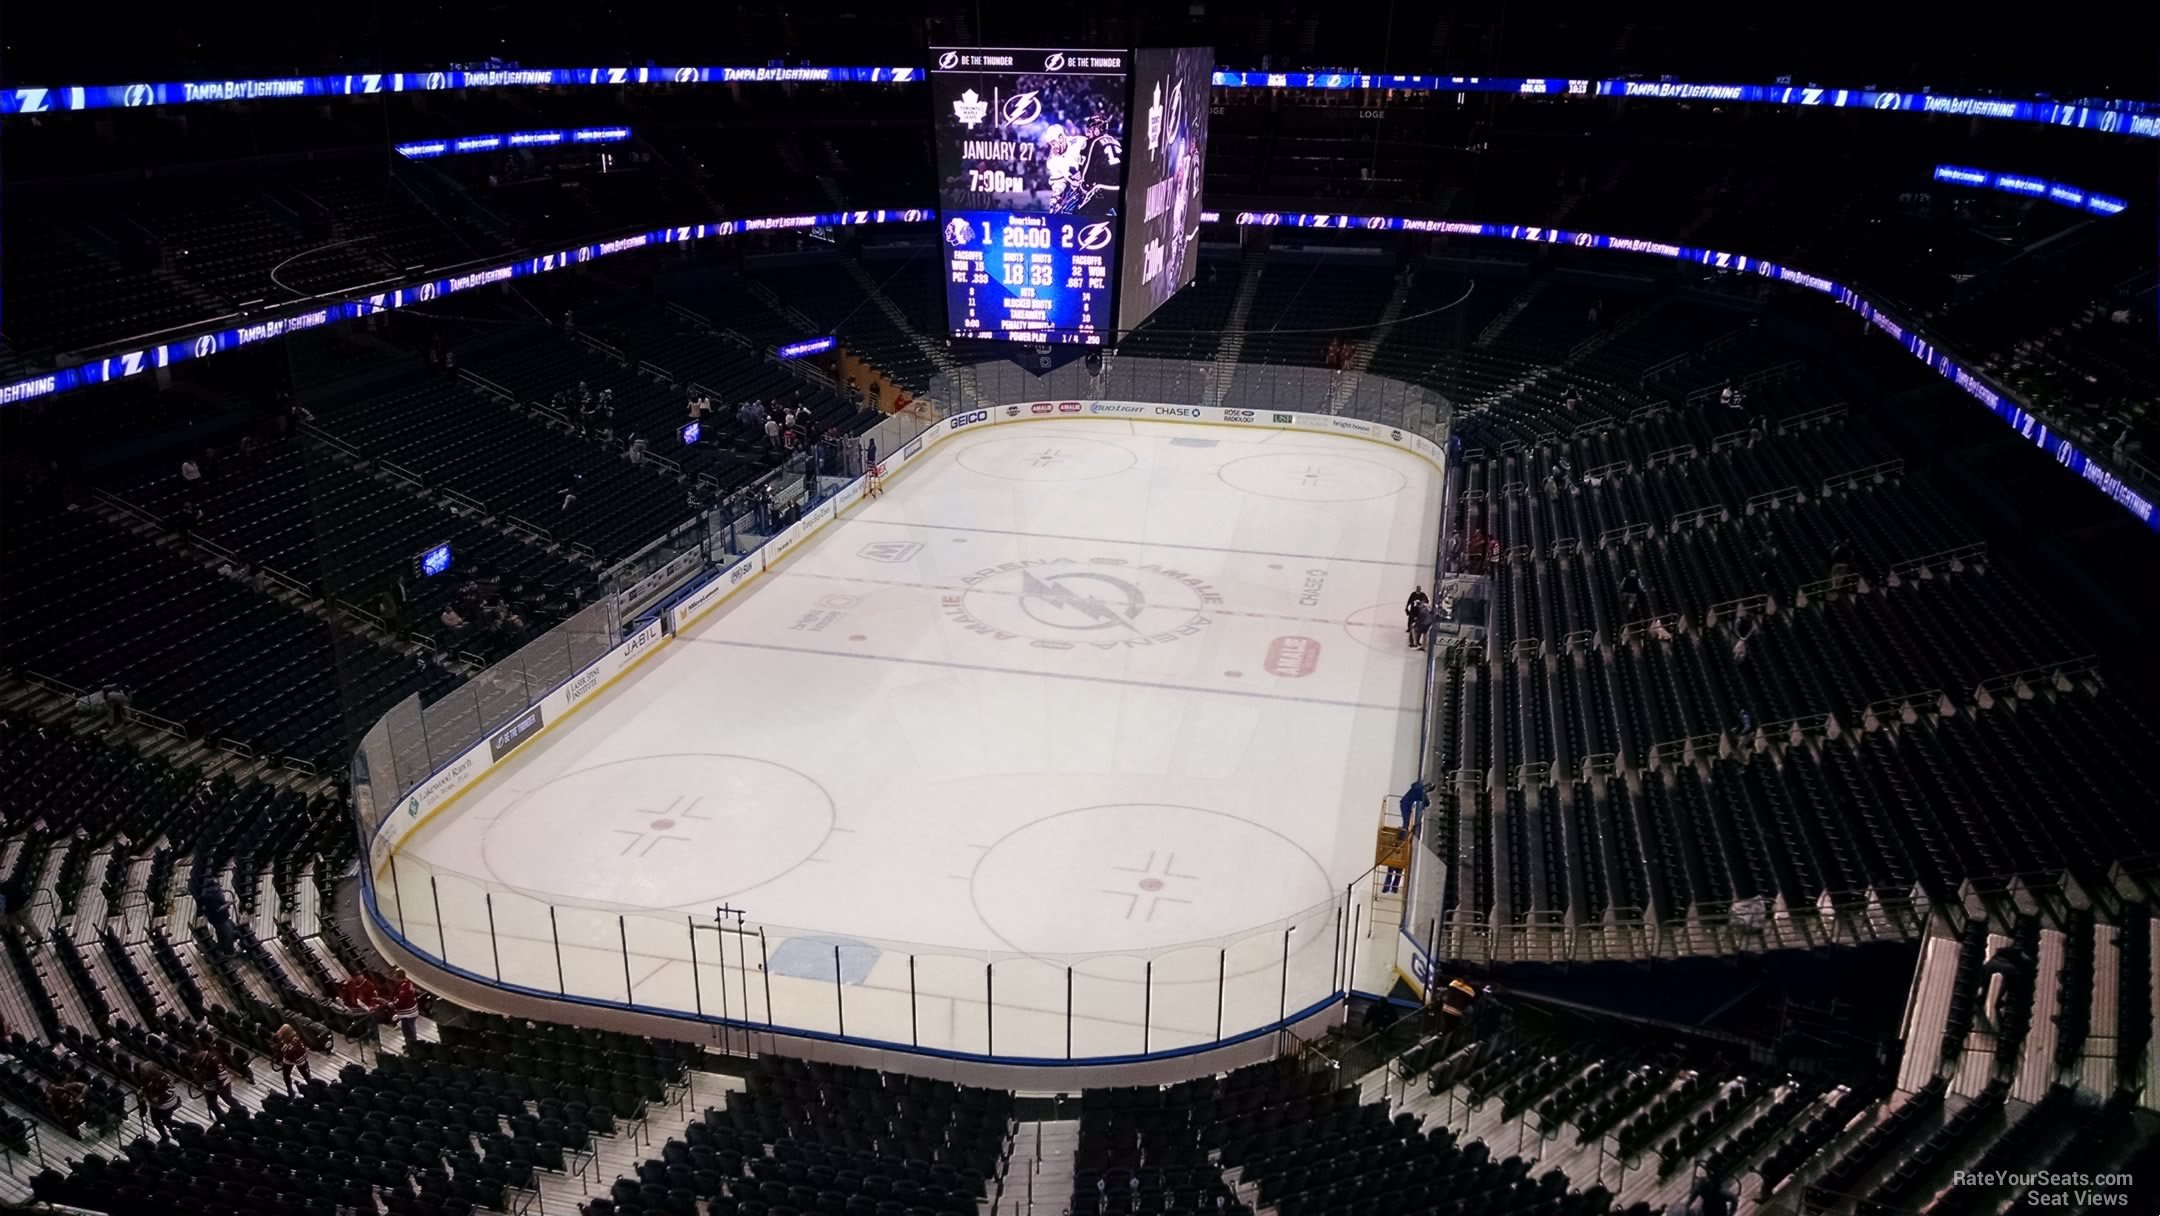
x=1067, y=688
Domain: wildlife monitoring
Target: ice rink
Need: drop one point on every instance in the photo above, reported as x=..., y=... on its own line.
x=1062, y=745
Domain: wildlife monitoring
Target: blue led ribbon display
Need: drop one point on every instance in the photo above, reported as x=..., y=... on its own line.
x=2140, y=118
x=2028, y=186
x=2109, y=117
x=427, y=149
x=28, y=100
x=291, y=320
x=1998, y=400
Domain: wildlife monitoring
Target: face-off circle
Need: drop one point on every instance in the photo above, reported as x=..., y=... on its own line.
x=663, y=831
x=1140, y=876
x=1301, y=476
x=1061, y=602
x=1046, y=457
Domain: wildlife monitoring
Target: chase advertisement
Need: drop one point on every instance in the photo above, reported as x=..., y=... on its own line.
x=1169, y=148
x=1030, y=147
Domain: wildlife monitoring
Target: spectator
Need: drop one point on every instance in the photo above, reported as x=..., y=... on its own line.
x=1743, y=628
x=190, y=474
x=360, y=992
x=1632, y=592
x=160, y=1099
x=213, y=1075
x=452, y=621
x=292, y=1052
x=405, y=1006
x=68, y=1101
x=1411, y=608
x=1764, y=558
x=568, y=492
x=1840, y=562
x=636, y=450
x=772, y=435
x=110, y=701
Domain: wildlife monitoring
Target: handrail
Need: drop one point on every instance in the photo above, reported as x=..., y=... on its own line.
x=527, y=526
x=401, y=473
x=286, y=581
x=694, y=317
x=329, y=440
x=462, y=499
x=486, y=385
x=604, y=348
x=656, y=371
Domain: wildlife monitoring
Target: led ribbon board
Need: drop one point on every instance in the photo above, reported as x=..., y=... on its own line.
x=2026, y=423
x=806, y=348
x=28, y=100
x=428, y=149
x=2028, y=186
x=2138, y=118
x=277, y=325
x=1974, y=383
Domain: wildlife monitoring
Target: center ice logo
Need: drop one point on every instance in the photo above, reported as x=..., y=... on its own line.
x=1064, y=604
x=1081, y=600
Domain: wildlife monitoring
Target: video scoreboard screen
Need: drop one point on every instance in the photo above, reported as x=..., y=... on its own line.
x=1030, y=148
x=1161, y=252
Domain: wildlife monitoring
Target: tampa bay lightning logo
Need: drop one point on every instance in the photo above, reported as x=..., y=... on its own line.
x=948, y=61
x=1582, y=240
x=1095, y=237
x=1082, y=601
x=1376, y=222
x=1889, y=101
x=205, y=346
x=138, y=95
x=1021, y=109
x=436, y=80
x=959, y=233
x=686, y=75
x=1054, y=61
x=426, y=292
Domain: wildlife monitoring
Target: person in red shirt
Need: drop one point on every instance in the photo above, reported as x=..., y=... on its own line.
x=405, y=1006
x=214, y=1076
x=292, y=1052
x=159, y=1099
x=360, y=992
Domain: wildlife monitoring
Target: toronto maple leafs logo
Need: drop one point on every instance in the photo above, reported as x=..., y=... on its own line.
x=970, y=109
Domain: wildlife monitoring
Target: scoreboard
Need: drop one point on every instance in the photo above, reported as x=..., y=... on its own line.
x=1171, y=87
x=1030, y=148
